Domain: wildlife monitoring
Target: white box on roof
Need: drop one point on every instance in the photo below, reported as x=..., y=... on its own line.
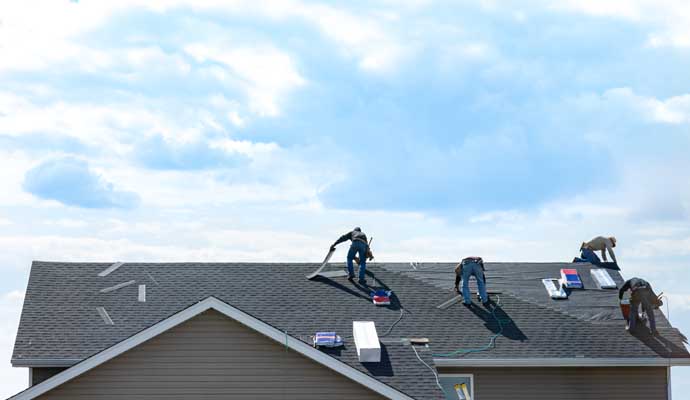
x=366, y=341
x=603, y=279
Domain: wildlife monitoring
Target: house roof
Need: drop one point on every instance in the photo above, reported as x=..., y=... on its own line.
x=60, y=324
x=190, y=312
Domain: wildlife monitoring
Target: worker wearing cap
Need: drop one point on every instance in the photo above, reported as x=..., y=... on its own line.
x=641, y=293
x=471, y=266
x=599, y=243
x=359, y=246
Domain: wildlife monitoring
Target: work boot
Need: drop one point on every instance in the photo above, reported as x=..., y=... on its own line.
x=351, y=277
x=655, y=332
x=362, y=282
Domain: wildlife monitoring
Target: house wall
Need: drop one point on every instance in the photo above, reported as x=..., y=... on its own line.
x=213, y=357
x=39, y=375
x=625, y=383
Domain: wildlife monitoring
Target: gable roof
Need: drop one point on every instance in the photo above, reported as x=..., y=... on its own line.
x=60, y=324
x=190, y=312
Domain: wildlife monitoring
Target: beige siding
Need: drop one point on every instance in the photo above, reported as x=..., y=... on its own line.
x=210, y=357
x=623, y=383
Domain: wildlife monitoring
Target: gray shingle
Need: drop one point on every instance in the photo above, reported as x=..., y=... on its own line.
x=60, y=321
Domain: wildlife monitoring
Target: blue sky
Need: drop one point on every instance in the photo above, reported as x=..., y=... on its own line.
x=259, y=131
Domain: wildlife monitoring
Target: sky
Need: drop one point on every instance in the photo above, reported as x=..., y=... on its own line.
x=237, y=130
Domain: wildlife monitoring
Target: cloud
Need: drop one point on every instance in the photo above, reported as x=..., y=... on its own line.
x=71, y=182
x=41, y=142
x=673, y=110
x=266, y=73
x=12, y=380
x=157, y=153
x=668, y=21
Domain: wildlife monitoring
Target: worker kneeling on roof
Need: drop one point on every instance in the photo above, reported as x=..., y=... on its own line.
x=641, y=293
x=599, y=243
x=471, y=266
x=359, y=246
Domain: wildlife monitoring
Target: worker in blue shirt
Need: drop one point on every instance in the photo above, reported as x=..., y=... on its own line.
x=359, y=246
x=471, y=266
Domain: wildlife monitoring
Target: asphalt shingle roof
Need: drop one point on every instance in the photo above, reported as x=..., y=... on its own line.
x=60, y=321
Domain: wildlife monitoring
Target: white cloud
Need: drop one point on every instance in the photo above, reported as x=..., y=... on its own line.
x=266, y=73
x=672, y=110
x=12, y=380
x=669, y=20
x=251, y=149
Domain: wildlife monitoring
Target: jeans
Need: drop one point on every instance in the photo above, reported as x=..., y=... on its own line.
x=361, y=248
x=468, y=270
x=640, y=297
x=590, y=256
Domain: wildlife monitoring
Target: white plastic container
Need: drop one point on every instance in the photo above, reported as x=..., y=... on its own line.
x=366, y=341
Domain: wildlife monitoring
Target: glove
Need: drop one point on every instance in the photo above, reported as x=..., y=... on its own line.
x=457, y=290
x=332, y=248
x=370, y=255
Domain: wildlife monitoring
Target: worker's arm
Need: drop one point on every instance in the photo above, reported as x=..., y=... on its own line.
x=622, y=290
x=603, y=254
x=344, y=238
x=610, y=250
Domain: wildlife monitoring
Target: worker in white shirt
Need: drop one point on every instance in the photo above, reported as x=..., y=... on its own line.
x=603, y=244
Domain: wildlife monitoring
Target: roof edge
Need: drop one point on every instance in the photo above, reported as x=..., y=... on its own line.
x=44, y=362
x=231, y=312
x=563, y=362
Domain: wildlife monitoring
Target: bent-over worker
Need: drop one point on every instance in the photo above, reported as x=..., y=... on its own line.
x=359, y=246
x=471, y=266
x=641, y=293
x=599, y=243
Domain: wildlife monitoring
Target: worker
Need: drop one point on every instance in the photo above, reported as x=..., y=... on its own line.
x=599, y=243
x=471, y=266
x=359, y=246
x=641, y=293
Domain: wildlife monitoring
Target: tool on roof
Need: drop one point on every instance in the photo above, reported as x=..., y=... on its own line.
x=366, y=341
x=381, y=297
x=327, y=339
x=571, y=279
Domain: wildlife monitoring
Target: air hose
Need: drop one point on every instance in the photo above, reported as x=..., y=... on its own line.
x=489, y=346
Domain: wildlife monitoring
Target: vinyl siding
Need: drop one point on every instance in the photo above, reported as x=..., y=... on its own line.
x=625, y=383
x=212, y=357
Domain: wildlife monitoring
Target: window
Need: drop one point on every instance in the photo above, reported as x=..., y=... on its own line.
x=457, y=386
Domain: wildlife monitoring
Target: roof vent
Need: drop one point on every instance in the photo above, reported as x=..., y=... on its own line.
x=571, y=279
x=603, y=279
x=366, y=341
x=554, y=288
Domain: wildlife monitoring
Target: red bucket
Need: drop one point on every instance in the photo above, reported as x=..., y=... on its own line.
x=625, y=308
